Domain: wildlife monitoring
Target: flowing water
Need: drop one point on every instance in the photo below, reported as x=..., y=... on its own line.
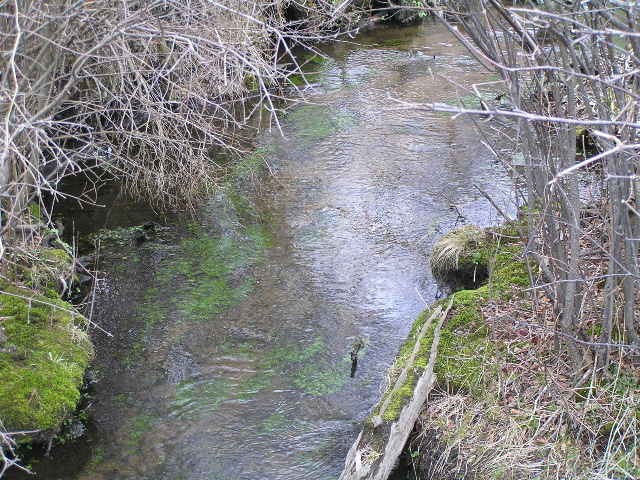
x=230, y=357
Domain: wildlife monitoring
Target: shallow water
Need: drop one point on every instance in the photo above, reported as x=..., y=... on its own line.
x=231, y=352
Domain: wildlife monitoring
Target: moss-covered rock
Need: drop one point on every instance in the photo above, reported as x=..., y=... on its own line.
x=43, y=357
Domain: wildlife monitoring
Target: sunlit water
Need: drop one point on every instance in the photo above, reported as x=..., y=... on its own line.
x=259, y=387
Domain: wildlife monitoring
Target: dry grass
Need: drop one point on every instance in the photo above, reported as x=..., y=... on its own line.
x=446, y=253
x=533, y=419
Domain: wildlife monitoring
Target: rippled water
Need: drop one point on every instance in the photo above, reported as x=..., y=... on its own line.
x=242, y=371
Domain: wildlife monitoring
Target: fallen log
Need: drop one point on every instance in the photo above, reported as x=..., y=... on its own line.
x=375, y=452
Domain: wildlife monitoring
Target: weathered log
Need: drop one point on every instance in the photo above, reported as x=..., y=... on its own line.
x=375, y=452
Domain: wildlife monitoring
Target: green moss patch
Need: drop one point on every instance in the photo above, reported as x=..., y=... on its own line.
x=464, y=343
x=206, y=279
x=42, y=360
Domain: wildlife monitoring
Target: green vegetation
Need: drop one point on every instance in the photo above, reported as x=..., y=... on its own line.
x=393, y=42
x=205, y=270
x=464, y=345
x=194, y=397
x=138, y=427
x=318, y=121
x=290, y=365
x=96, y=459
x=275, y=422
x=42, y=360
x=317, y=380
x=310, y=72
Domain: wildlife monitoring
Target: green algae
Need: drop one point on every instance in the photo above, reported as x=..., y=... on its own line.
x=139, y=426
x=392, y=42
x=208, y=277
x=195, y=397
x=250, y=165
x=43, y=360
x=301, y=367
x=302, y=79
x=315, y=379
x=205, y=271
x=318, y=121
x=311, y=69
x=275, y=422
x=97, y=458
x=291, y=366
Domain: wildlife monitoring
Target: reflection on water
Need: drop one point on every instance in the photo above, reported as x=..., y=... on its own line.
x=232, y=352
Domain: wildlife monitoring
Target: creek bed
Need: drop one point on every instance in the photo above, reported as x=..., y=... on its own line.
x=230, y=358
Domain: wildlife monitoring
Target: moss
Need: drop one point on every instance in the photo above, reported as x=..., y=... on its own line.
x=96, y=459
x=43, y=269
x=251, y=82
x=251, y=164
x=42, y=361
x=207, y=267
x=315, y=379
x=138, y=427
x=464, y=344
x=274, y=422
x=392, y=42
x=302, y=79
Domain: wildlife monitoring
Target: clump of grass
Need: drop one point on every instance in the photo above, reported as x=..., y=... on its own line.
x=456, y=250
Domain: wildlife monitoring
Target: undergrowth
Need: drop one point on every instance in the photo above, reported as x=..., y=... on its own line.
x=508, y=404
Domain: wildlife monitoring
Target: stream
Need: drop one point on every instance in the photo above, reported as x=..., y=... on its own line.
x=232, y=332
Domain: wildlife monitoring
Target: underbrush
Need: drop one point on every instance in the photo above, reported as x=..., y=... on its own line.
x=508, y=404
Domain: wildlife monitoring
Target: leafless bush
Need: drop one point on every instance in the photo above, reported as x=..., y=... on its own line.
x=571, y=70
x=144, y=91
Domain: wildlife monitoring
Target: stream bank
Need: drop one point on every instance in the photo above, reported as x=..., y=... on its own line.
x=233, y=331
x=449, y=349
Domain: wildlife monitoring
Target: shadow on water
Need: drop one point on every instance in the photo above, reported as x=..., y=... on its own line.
x=231, y=355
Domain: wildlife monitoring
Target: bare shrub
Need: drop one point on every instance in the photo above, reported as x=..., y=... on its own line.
x=571, y=73
x=142, y=91
x=562, y=394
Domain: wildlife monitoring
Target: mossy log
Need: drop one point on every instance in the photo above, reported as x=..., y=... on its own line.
x=375, y=453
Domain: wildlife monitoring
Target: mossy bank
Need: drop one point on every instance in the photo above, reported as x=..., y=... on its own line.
x=464, y=343
x=449, y=345
x=44, y=348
